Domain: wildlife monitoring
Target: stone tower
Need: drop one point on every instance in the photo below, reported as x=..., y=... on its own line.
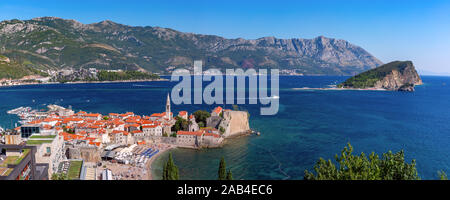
x=168, y=116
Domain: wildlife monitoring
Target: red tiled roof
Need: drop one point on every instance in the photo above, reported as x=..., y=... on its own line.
x=150, y=126
x=197, y=133
x=92, y=115
x=66, y=120
x=68, y=136
x=123, y=132
x=117, y=131
x=140, y=143
x=94, y=143
x=35, y=122
x=212, y=134
x=47, y=127
x=133, y=125
x=147, y=122
x=50, y=119
x=157, y=115
x=218, y=109
x=126, y=114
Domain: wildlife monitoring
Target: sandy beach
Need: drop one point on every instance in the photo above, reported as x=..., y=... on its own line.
x=150, y=162
x=122, y=171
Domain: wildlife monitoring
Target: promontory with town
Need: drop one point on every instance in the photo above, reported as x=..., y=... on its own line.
x=92, y=146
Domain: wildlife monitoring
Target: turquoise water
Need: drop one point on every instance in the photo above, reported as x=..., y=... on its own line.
x=309, y=125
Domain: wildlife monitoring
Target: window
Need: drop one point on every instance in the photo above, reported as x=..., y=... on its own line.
x=49, y=150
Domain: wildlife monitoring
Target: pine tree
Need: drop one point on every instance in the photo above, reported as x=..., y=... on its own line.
x=170, y=171
x=222, y=170
x=175, y=173
x=229, y=175
x=165, y=172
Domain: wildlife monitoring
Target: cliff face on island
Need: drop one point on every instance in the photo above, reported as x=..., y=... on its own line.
x=397, y=76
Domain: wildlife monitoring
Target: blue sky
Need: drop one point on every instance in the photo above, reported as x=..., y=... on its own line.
x=390, y=30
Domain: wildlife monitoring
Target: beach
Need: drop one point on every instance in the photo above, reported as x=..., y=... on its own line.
x=150, y=162
x=122, y=171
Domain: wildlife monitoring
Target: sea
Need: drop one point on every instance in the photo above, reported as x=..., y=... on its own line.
x=309, y=125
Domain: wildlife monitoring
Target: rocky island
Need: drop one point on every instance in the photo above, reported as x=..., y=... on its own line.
x=395, y=76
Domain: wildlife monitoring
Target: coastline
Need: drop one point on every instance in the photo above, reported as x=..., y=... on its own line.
x=342, y=89
x=172, y=147
x=150, y=162
x=118, y=81
x=84, y=82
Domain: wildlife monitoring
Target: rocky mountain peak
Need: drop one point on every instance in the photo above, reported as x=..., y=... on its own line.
x=107, y=44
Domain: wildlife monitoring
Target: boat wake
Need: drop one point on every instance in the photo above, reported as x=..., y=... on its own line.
x=149, y=86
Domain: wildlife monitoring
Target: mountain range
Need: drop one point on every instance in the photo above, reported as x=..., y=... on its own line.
x=54, y=43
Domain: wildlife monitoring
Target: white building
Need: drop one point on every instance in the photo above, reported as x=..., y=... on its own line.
x=152, y=130
x=50, y=149
x=188, y=138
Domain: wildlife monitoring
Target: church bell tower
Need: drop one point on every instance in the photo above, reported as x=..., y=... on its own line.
x=168, y=116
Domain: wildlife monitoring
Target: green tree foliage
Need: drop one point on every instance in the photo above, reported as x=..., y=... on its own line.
x=392, y=166
x=68, y=130
x=170, y=170
x=14, y=70
x=222, y=130
x=180, y=124
x=125, y=75
x=229, y=175
x=222, y=169
x=201, y=124
x=59, y=176
x=442, y=175
x=201, y=116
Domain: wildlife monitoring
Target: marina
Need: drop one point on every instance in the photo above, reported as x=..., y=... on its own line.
x=27, y=114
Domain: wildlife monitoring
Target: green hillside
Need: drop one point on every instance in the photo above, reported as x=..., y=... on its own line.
x=55, y=43
x=15, y=70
